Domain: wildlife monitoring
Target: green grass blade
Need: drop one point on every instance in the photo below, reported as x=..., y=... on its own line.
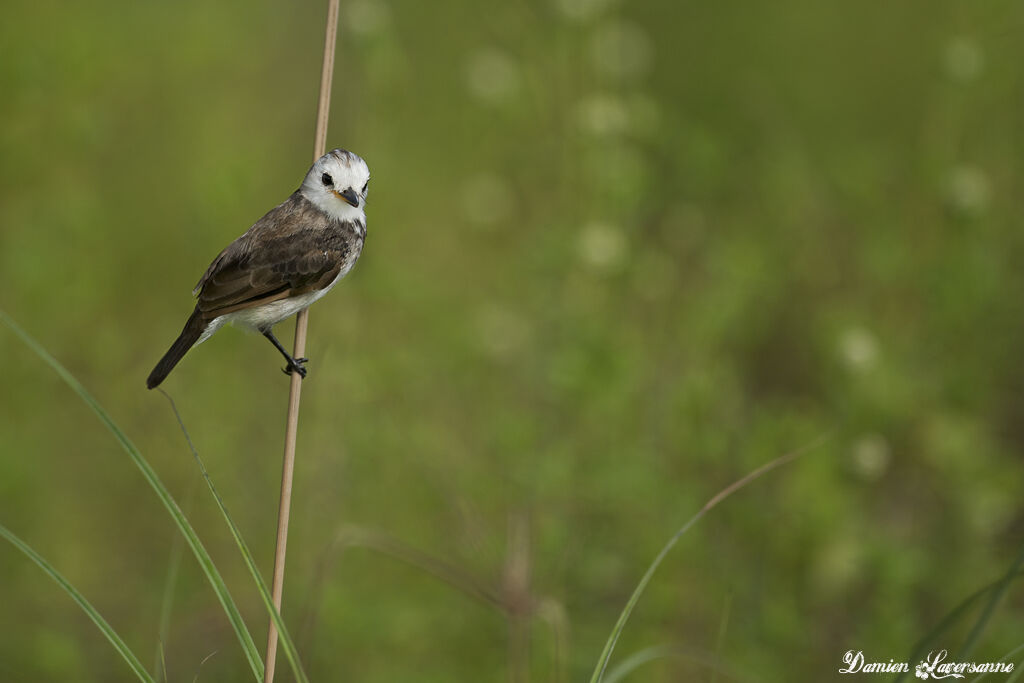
x=609, y=645
x=980, y=677
x=1017, y=671
x=967, y=649
x=167, y=602
x=286, y=640
x=97, y=619
x=205, y=561
x=638, y=659
x=652, y=654
x=952, y=617
x=442, y=571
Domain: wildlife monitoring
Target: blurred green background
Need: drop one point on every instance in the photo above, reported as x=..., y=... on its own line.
x=619, y=254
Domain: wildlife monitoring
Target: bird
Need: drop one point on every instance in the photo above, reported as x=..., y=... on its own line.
x=287, y=260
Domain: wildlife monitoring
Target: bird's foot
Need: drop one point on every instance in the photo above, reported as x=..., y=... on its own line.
x=296, y=365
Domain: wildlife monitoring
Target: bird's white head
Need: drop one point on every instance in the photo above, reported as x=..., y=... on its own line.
x=337, y=184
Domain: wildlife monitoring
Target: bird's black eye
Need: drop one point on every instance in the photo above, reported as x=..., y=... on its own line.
x=366, y=186
x=327, y=180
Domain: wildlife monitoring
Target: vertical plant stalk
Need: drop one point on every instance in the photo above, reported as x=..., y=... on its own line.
x=301, y=323
x=517, y=599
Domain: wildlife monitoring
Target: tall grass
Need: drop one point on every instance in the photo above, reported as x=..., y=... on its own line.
x=243, y=548
x=122, y=648
x=995, y=590
x=609, y=646
x=960, y=611
x=206, y=563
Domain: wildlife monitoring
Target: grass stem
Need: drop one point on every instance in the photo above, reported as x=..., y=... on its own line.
x=301, y=323
x=609, y=646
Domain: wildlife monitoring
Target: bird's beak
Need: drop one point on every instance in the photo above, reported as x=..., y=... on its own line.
x=349, y=196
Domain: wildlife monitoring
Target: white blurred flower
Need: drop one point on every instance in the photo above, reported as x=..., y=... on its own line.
x=969, y=189
x=581, y=10
x=621, y=50
x=871, y=456
x=501, y=332
x=602, y=246
x=858, y=348
x=366, y=16
x=492, y=76
x=964, y=59
x=603, y=115
x=486, y=198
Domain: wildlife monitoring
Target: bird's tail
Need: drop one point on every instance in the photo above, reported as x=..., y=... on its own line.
x=189, y=336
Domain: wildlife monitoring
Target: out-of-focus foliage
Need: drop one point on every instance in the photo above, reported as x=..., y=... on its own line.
x=619, y=254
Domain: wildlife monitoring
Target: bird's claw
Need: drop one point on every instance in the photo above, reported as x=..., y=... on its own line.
x=296, y=365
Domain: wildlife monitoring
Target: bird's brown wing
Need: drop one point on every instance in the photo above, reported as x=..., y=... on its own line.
x=254, y=279
x=285, y=254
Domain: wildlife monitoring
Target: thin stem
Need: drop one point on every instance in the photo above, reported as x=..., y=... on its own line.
x=609, y=645
x=202, y=556
x=167, y=603
x=301, y=323
x=967, y=649
x=517, y=599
